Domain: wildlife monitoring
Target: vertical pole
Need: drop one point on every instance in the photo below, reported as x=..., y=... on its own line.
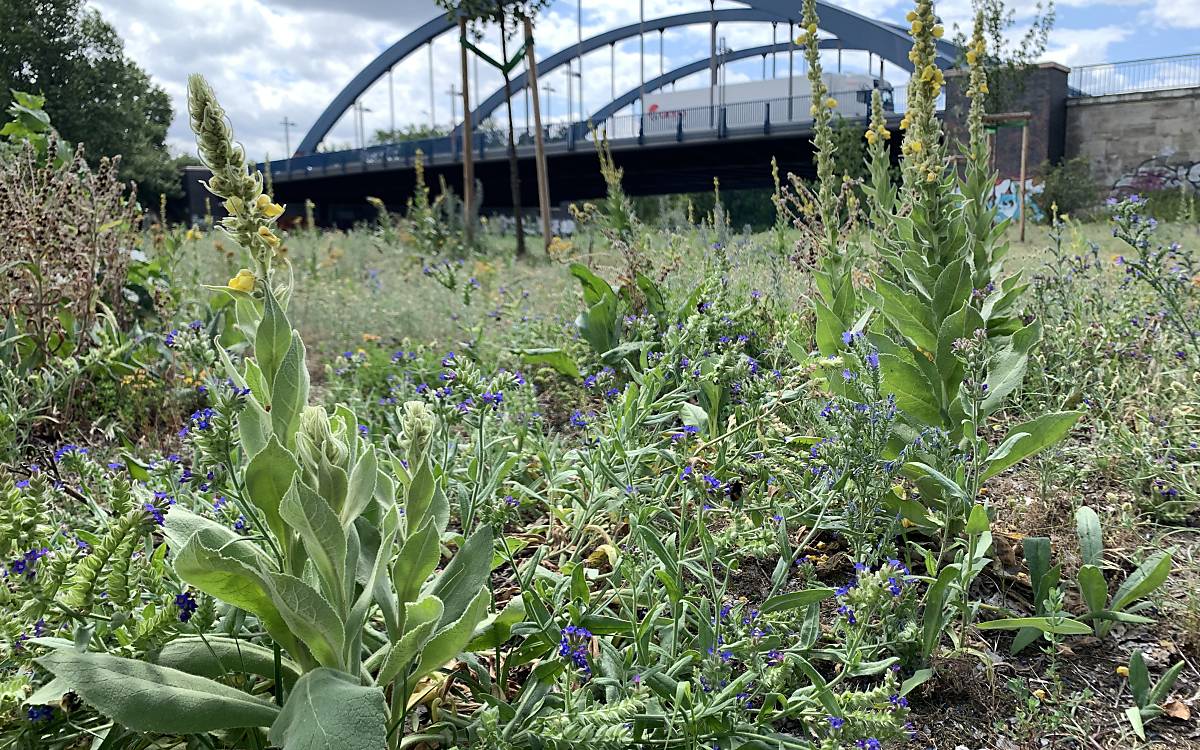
x=881, y=68
x=528, y=77
x=570, y=91
x=1024, y=151
x=612, y=71
x=392, y=103
x=660, y=51
x=839, y=55
x=468, y=142
x=432, y=95
x=579, y=50
x=791, y=50
x=539, y=156
x=641, y=56
x=774, y=41
x=712, y=57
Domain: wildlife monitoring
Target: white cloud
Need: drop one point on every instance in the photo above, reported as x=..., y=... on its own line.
x=1082, y=46
x=1179, y=14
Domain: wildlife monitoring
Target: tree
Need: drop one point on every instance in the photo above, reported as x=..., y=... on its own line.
x=95, y=95
x=501, y=12
x=1009, y=56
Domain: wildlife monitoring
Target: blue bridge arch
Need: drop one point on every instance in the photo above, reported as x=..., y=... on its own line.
x=852, y=31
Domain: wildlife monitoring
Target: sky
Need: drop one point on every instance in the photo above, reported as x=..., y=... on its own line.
x=271, y=60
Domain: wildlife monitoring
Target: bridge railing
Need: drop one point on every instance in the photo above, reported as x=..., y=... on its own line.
x=721, y=120
x=1132, y=76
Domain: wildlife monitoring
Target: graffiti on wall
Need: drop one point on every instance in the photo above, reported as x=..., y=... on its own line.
x=1006, y=197
x=1159, y=173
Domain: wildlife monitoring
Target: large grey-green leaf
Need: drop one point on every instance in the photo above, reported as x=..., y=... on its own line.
x=452, y=638
x=363, y=478
x=466, y=574
x=215, y=656
x=220, y=574
x=289, y=391
x=1032, y=437
x=418, y=557
x=268, y=476
x=331, y=710
x=915, y=395
x=149, y=698
x=273, y=337
x=321, y=533
x=421, y=618
x=908, y=313
x=310, y=617
x=1141, y=582
x=181, y=525
x=1091, y=539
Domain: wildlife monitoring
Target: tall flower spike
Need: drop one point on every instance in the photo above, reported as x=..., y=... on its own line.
x=977, y=87
x=822, y=113
x=922, y=148
x=879, y=164
x=252, y=214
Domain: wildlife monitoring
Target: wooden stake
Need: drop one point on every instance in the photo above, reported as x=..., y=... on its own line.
x=539, y=157
x=1024, y=151
x=468, y=141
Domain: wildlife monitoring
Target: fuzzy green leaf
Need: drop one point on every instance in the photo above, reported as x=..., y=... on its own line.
x=149, y=698
x=331, y=710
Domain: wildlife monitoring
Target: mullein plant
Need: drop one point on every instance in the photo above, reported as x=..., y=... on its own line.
x=327, y=545
x=939, y=242
x=836, y=301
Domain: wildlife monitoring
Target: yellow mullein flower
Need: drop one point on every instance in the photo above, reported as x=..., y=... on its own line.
x=812, y=28
x=971, y=57
x=984, y=88
x=938, y=31
x=813, y=110
x=267, y=208
x=1039, y=694
x=268, y=237
x=917, y=26
x=872, y=137
x=912, y=16
x=1123, y=671
x=885, y=133
x=831, y=103
x=243, y=282
x=916, y=147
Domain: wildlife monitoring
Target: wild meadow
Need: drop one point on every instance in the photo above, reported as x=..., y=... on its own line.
x=878, y=477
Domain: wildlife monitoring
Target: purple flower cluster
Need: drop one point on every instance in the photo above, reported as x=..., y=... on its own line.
x=574, y=646
x=26, y=564
x=187, y=605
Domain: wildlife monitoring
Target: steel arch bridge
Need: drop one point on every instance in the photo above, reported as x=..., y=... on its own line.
x=848, y=30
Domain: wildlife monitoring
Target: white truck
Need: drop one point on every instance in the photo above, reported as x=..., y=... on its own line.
x=746, y=105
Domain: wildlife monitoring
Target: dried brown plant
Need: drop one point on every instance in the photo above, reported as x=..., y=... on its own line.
x=66, y=234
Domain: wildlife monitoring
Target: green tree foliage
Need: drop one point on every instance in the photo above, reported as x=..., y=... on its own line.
x=1010, y=52
x=95, y=95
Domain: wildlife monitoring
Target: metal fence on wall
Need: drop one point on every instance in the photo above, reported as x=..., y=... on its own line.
x=1152, y=74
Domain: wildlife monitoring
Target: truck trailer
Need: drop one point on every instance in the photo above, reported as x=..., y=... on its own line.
x=748, y=104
